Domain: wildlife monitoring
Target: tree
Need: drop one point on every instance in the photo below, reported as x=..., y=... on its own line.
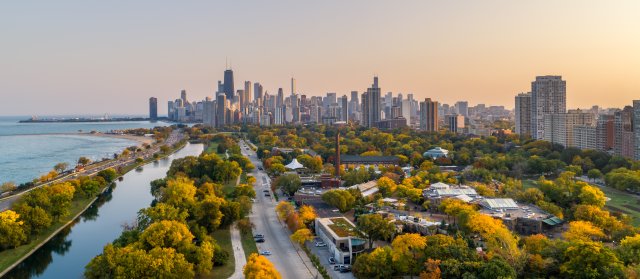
x=431, y=270
x=588, y=259
x=90, y=187
x=341, y=199
x=7, y=187
x=166, y=234
x=245, y=225
x=83, y=161
x=179, y=192
x=301, y=236
x=60, y=196
x=12, y=230
x=109, y=175
x=407, y=253
x=592, y=196
x=284, y=209
x=377, y=264
x=209, y=212
x=496, y=267
x=35, y=218
x=386, y=186
x=159, y=212
x=259, y=267
x=594, y=174
x=244, y=190
x=130, y=262
x=374, y=227
x=307, y=214
x=61, y=167
x=289, y=183
x=629, y=250
x=583, y=230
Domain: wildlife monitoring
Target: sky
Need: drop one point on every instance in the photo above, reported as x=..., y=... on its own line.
x=95, y=57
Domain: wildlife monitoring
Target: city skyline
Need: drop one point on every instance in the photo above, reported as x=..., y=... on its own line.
x=478, y=52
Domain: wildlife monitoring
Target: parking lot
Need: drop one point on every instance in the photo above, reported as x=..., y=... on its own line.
x=324, y=255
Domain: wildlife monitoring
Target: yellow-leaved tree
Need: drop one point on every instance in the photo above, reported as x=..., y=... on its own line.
x=259, y=267
x=301, y=236
x=583, y=230
x=407, y=253
x=307, y=214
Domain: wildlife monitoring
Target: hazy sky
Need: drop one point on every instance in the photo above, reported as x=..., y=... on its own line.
x=71, y=57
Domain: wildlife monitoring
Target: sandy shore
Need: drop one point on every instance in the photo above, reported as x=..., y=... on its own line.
x=141, y=140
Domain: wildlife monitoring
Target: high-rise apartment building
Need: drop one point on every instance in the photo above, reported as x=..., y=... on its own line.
x=548, y=96
x=636, y=129
x=429, y=115
x=344, y=107
x=455, y=122
x=559, y=127
x=153, y=108
x=462, y=108
x=221, y=109
x=605, y=132
x=624, y=136
x=257, y=91
x=523, y=114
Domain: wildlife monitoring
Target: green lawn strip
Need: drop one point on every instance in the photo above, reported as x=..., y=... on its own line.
x=8, y=257
x=620, y=201
x=248, y=244
x=223, y=238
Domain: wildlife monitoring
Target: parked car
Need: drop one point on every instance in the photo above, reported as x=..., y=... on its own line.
x=321, y=244
x=260, y=240
x=265, y=252
x=332, y=260
x=258, y=236
x=345, y=269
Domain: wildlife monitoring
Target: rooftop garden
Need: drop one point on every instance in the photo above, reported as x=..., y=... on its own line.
x=342, y=227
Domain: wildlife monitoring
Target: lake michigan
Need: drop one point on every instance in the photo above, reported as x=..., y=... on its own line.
x=28, y=150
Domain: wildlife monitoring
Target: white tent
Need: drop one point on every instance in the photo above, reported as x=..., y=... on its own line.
x=294, y=165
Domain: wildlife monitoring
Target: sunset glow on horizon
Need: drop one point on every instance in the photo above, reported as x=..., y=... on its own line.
x=109, y=57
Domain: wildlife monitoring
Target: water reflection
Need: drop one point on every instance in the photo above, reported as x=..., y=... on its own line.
x=67, y=253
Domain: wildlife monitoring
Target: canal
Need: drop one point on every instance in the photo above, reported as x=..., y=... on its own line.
x=66, y=254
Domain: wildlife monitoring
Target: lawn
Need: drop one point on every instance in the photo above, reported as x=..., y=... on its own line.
x=8, y=257
x=248, y=244
x=223, y=238
x=620, y=201
x=213, y=148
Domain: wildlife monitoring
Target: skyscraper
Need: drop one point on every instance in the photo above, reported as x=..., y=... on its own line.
x=455, y=122
x=344, y=108
x=548, y=96
x=293, y=86
x=523, y=114
x=221, y=109
x=429, y=115
x=636, y=129
x=153, y=108
x=228, y=87
x=257, y=91
x=247, y=93
x=371, y=105
x=462, y=108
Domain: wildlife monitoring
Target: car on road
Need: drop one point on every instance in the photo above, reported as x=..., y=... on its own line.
x=258, y=236
x=260, y=240
x=260, y=168
x=267, y=195
x=332, y=260
x=321, y=244
x=265, y=253
x=265, y=190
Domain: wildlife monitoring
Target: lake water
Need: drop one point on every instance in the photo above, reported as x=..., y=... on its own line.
x=67, y=254
x=28, y=150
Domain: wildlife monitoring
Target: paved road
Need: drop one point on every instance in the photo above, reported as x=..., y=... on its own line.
x=238, y=253
x=174, y=137
x=287, y=260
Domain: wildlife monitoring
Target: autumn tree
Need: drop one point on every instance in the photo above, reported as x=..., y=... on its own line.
x=374, y=227
x=583, y=231
x=209, y=212
x=160, y=212
x=407, y=253
x=377, y=264
x=60, y=196
x=109, y=175
x=301, y=236
x=180, y=192
x=83, y=161
x=588, y=259
x=284, y=209
x=259, y=267
x=244, y=190
x=12, y=230
x=7, y=186
x=307, y=214
x=629, y=250
x=590, y=195
x=431, y=269
x=341, y=199
x=386, y=186
x=61, y=167
x=35, y=218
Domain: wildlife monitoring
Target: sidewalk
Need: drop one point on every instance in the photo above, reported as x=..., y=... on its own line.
x=238, y=253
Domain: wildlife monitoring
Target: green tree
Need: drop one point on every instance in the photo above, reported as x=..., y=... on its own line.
x=209, y=212
x=244, y=190
x=35, y=218
x=60, y=196
x=629, y=250
x=109, y=175
x=588, y=259
x=374, y=227
x=288, y=183
x=160, y=212
x=84, y=161
x=341, y=199
x=594, y=174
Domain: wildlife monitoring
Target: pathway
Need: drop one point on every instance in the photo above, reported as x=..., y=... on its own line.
x=238, y=253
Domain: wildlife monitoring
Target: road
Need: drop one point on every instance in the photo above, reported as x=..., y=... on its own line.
x=287, y=260
x=174, y=137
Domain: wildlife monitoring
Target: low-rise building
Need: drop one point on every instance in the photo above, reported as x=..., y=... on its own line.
x=440, y=191
x=522, y=219
x=436, y=153
x=341, y=238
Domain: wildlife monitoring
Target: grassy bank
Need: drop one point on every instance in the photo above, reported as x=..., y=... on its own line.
x=11, y=256
x=223, y=238
x=248, y=244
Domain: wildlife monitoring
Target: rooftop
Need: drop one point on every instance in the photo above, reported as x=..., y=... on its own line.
x=340, y=226
x=344, y=159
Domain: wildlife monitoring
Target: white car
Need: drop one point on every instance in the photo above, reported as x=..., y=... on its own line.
x=265, y=253
x=321, y=244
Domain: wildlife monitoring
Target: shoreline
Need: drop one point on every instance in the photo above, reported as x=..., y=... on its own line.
x=44, y=241
x=139, y=139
